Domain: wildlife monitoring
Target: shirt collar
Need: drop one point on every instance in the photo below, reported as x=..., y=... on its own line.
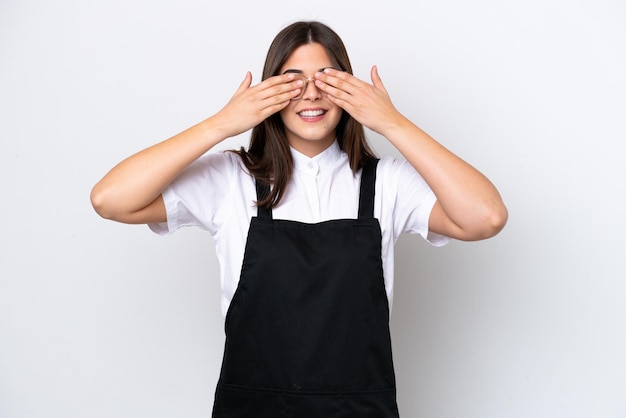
x=313, y=165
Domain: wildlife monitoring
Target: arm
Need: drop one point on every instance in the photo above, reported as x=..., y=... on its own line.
x=131, y=191
x=468, y=205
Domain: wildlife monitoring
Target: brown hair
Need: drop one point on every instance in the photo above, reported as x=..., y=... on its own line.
x=268, y=157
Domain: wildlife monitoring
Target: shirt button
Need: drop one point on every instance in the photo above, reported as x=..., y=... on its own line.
x=310, y=164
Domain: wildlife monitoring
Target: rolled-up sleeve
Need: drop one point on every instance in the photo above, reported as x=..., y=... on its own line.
x=198, y=196
x=410, y=200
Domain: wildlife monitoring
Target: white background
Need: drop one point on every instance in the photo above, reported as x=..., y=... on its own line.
x=102, y=320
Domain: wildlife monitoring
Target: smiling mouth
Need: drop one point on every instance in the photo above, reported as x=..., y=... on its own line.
x=311, y=113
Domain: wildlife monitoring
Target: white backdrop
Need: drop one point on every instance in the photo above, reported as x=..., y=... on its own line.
x=101, y=320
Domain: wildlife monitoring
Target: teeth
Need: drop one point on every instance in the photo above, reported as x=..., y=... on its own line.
x=311, y=113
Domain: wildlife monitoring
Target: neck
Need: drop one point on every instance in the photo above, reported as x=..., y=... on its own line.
x=312, y=148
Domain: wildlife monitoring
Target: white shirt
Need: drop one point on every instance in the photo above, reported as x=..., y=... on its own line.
x=217, y=194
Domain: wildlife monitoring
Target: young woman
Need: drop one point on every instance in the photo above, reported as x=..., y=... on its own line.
x=305, y=221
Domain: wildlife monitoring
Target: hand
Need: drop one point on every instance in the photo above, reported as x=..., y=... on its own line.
x=250, y=106
x=369, y=104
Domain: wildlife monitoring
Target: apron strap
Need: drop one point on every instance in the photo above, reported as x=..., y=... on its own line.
x=368, y=189
x=366, y=194
x=263, y=190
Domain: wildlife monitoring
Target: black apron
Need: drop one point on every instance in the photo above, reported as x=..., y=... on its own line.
x=307, y=331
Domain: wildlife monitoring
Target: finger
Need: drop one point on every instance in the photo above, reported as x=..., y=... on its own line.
x=376, y=80
x=339, y=79
x=280, y=85
x=332, y=86
x=246, y=83
x=279, y=91
x=277, y=80
x=277, y=103
x=281, y=99
x=333, y=91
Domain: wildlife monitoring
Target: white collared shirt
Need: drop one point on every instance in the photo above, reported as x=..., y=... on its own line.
x=217, y=194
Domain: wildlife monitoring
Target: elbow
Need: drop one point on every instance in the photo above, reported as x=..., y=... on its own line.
x=494, y=221
x=111, y=205
x=472, y=223
x=100, y=202
x=498, y=219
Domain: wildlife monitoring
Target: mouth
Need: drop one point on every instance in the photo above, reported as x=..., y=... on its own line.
x=311, y=113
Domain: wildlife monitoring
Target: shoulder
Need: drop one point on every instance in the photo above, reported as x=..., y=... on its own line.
x=396, y=177
x=219, y=159
x=220, y=164
x=393, y=167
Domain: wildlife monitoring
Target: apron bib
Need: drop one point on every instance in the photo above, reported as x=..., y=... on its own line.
x=307, y=331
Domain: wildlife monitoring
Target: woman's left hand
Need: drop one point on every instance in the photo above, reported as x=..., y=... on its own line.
x=369, y=104
x=468, y=206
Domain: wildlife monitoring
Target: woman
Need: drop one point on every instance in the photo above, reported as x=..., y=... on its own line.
x=305, y=222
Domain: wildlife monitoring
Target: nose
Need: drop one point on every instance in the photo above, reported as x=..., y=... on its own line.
x=311, y=92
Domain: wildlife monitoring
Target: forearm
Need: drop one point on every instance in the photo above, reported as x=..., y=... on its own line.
x=137, y=181
x=130, y=191
x=468, y=206
x=471, y=204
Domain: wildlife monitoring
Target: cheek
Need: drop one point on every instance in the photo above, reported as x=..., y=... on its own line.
x=337, y=117
x=285, y=114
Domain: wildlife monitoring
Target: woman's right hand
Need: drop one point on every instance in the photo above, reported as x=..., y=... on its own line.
x=131, y=191
x=251, y=105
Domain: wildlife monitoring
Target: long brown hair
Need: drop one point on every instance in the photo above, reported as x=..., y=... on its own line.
x=268, y=157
